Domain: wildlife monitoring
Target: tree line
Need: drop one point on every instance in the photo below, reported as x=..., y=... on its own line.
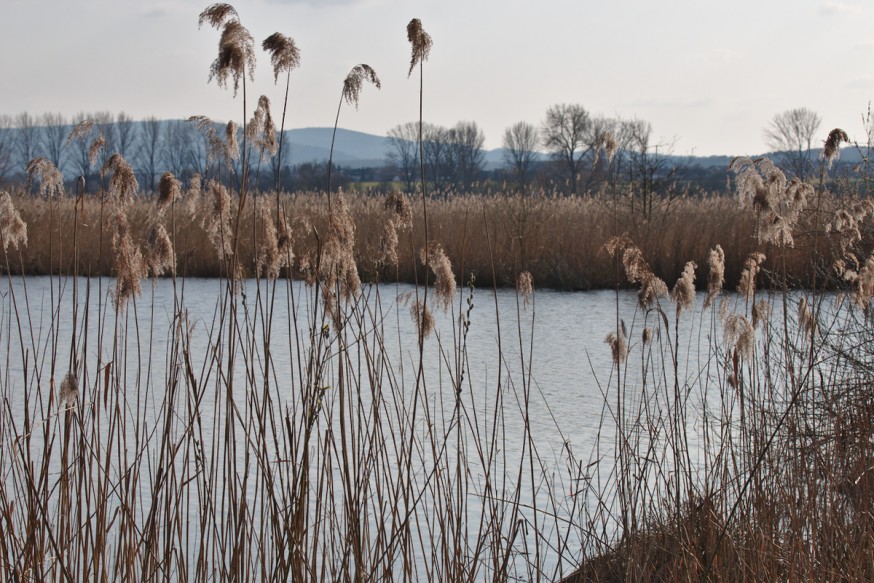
x=569, y=151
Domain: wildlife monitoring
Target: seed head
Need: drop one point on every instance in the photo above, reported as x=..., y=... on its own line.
x=832, y=148
x=51, y=181
x=284, y=54
x=420, y=42
x=355, y=80
x=169, y=190
x=12, y=229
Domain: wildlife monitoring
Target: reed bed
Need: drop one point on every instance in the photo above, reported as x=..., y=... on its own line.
x=559, y=240
x=304, y=416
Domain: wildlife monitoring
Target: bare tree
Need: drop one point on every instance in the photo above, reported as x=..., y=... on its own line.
x=565, y=132
x=125, y=134
x=404, y=151
x=149, y=151
x=27, y=138
x=437, y=154
x=520, y=150
x=54, y=137
x=466, y=141
x=7, y=146
x=791, y=133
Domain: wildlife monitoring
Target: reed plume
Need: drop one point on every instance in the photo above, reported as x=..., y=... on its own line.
x=95, y=148
x=51, y=181
x=525, y=286
x=421, y=43
x=338, y=267
x=80, y=131
x=716, y=276
x=169, y=190
x=684, y=289
x=618, y=344
x=123, y=184
x=231, y=147
x=739, y=335
x=284, y=56
x=832, y=147
x=423, y=318
x=444, y=282
x=69, y=390
x=262, y=130
x=129, y=264
x=807, y=319
x=400, y=217
x=747, y=285
x=159, y=257
x=637, y=271
x=217, y=220
x=236, y=46
x=13, y=230
x=215, y=147
x=351, y=94
x=273, y=248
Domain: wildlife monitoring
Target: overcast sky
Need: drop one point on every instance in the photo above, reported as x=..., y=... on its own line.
x=707, y=75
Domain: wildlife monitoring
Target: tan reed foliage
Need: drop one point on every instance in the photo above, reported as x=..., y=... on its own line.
x=807, y=318
x=832, y=148
x=262, y=130
x=423, y=318
x=420, y=42
x=236, y=50
x=159, y=257
x=231, y=145
x=525, y=286
x=95, y=148
x=130, y=266
x=169, y=191
x=13, y=230
x=638, y=271
x=716, y=276
x=355, y=81
x=444, y=282
x=747, y=285
x=51, y=181
x=618, y=344
x=123, y=185
x=80, y=131
x=684, y=290
x=215, y=147
x=216, y=219
x=69, y=390
x=739, y=335
x=284, y=54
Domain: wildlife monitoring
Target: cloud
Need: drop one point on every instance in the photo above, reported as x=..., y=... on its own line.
x=839, y=8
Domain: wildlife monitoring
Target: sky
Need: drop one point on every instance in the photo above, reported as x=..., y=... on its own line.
x=707, y=75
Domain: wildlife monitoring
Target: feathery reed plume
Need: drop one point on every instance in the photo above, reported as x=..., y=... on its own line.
x=444, y=283
x=217, y=221
x=95, y=148
x=618, y=346
x=637, y=271
x=420, y=42
x=123, y=184
x=351, y=92
x=284, y=54
x=739, y=334
x=761, y=313
x=231, y=145
x=160, y=257
x=129, y=264
x=169, y=190
x=647, y=336
x=423, y=318
x=51, y=181
x=400, y=217
x=525, y=286
x=716, y=276
x=271, y=254
x=236, y=54
x=807, y=319
x=747, y=285
x=193, y=195
x=216, y=14
x=215, y=147
x=69, y=390
x=831, y=149
x=355, y=81
x=13, y=230
x=863, y=288
x=80, y=131
x=338, y=265
x=262, y=131
x=684, y=289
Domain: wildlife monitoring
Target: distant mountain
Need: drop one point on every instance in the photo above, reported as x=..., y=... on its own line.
x=351, y=148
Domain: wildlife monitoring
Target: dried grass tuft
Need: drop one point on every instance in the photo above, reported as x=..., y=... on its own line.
x=355, y=81
x=525, y=286
x=684, y=290
x=716, y=276
x=13, y=230
x=51, y=181
x=420, y=42
x=69, y=390
x=752, y=265
x=444, y=282
x=831, y=149
x=160, y=257
x=284, y=54
x=123, y=185
x=169, y=190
